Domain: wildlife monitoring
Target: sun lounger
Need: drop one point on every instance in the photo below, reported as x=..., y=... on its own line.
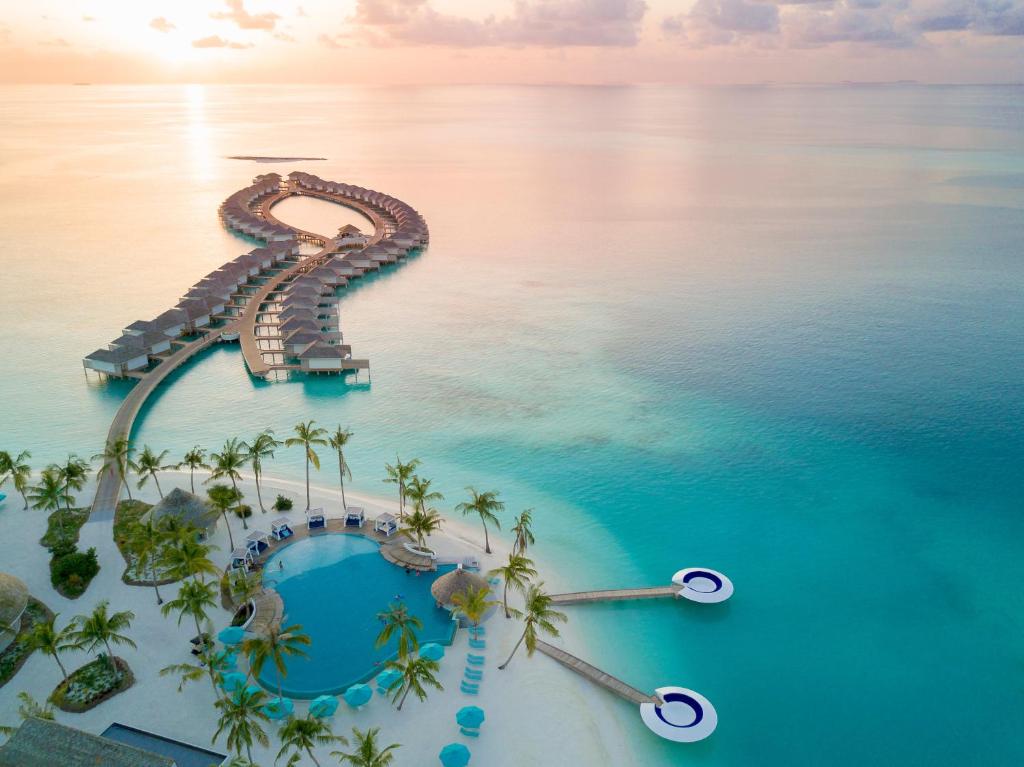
x=469, y=690
x=475, y=660
x=477, y=630
x=478, y=644
x=469, y=733
x=473, y=677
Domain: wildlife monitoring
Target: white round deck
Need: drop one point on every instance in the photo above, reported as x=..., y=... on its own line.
x=685, y=717
x=702, y=584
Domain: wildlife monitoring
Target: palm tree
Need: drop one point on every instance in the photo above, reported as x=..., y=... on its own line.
x=30, y=708
x=148, y=464
x=398, y=620
x=49, y=493
x=210, y=663
x=418, y=491
x=338, y=440
x=223, y=498
x=101, y=628
x=145, y=541
x=194, y=459
x=538, y=615
x=421, y=523
x=194, y=599
x=240, y=716
x=275, y=646
x=72, y=476
x=522, y=529
x=307, y=435
x=226, y=463
x=400, y=474
x=116, y=457
x=367, y=753
x=417, y=674
x=485, y=505
x=185, y=557
x=45, y=637
x=18, y=470
x=517, y=574
x=472, y=603
x=243, y=586
x=301, y=735
x=263, y=446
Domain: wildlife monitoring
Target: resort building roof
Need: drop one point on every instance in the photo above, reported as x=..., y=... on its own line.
x=186, y=508
x=116, y=356
x=13, y=600
x=458, y=581
x=142, y=340
x=41, y=743
x=322, y=350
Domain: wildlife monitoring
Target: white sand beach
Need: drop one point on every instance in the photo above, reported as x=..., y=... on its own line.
x=537, y=712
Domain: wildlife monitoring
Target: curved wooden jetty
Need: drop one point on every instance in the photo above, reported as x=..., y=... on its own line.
x=596, y=675
x=227, y=305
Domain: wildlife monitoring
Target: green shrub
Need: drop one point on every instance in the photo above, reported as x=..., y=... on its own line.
x=74, y=570
x=61, y=549
x=283, y=504
x=243, y=511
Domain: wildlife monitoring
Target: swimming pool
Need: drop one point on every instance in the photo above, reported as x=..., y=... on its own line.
x=334, y=585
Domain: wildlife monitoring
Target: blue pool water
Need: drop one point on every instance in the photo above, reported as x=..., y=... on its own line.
x=334, y=586
x=183, y=754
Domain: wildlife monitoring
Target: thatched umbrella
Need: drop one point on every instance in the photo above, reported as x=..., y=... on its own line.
x=13, y=601
x=458, y=581
x=186, y=508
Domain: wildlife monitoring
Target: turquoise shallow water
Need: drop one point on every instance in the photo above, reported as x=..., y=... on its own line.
x=334, y=586
x=773, y=331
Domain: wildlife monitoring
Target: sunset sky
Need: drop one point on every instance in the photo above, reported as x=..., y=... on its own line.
x=511, y=41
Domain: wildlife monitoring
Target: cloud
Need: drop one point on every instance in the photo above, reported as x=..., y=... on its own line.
x=56, y=42
x=216, y=41
x=160, y=24
x=721, y=22
x=301, y=12
x=847, y=23
x=330, y=41
x=541, y=23
x=244, y=19
x=284, y=36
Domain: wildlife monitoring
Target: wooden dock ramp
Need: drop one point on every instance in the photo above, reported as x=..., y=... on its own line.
x=614, y=595
x=596, y=675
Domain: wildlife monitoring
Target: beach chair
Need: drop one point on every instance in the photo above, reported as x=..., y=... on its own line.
x=478, y=644
x=469, y=733
x=477, y=631
x=494, y=581
x=475, y=660
x=474, y=675
x=469, y=690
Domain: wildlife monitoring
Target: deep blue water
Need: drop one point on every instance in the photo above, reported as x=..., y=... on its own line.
x=773, y=331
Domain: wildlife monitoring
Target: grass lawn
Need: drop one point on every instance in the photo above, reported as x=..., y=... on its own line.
x=15, y=654
x=63, y=526
x=93, y=683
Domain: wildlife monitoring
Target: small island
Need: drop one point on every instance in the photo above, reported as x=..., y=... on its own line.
x=256, y=158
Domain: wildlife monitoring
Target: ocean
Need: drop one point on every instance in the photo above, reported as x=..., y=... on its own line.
x=777, y=331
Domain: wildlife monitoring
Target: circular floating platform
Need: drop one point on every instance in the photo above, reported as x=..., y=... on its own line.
x=701, y=584
x=684, y=715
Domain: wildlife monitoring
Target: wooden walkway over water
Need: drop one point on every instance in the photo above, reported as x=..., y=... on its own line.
x=596, y=675
x=614, y=595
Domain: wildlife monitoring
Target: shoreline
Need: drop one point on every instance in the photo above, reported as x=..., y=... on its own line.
x=530, y=696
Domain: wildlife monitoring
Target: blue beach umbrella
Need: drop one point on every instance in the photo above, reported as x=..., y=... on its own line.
x=454, y=755
x=470, y=716
x=389, y=678
x=247, y=692
x=432, y=651
x=231, y=635
x=323, y=707
x=232, y=681
x=2, y=497
x=358, y=695
x=224, y=660
x=278, y=708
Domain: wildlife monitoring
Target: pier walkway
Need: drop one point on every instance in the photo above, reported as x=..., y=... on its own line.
x=108, y=487
x=614, y=595
x=596, y=675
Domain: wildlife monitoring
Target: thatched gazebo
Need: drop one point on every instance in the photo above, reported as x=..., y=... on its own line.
x=187, y=509
x=13, y=601
x=458, y=581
